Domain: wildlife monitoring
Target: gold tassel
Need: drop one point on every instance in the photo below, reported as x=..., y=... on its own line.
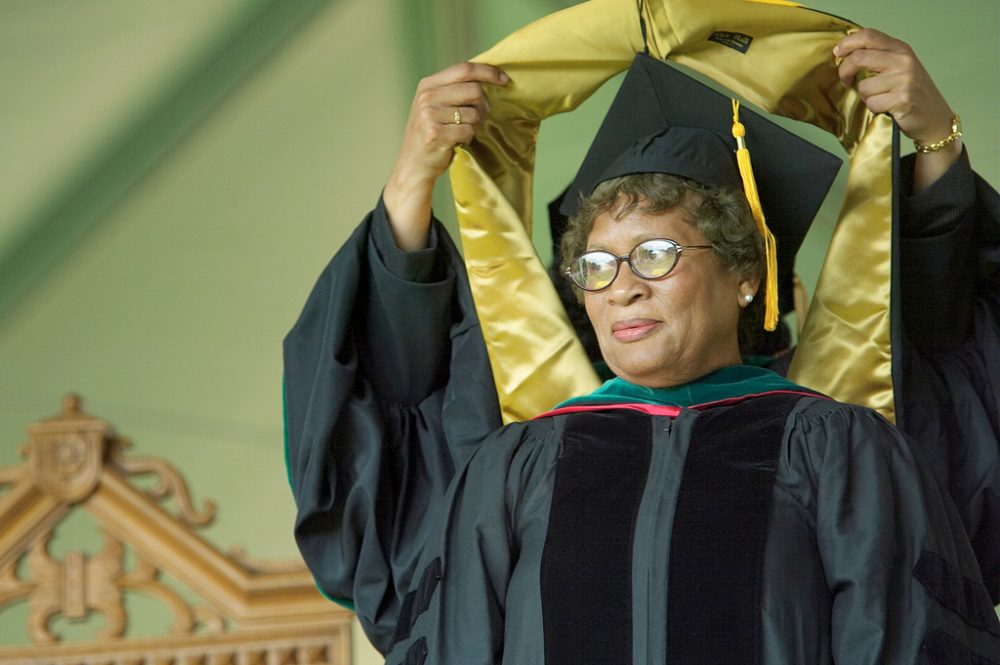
x=770, y=247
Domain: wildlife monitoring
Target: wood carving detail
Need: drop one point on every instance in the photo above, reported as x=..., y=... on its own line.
x=66, y=462
x=73, y=587
x=169, y=483
x=78, y=585
x=252, y=611
x=12, y=589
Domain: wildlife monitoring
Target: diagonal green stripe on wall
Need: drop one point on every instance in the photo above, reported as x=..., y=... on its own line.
x=79, y=206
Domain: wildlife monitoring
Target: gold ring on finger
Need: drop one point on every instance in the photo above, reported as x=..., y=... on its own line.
x=458, y=116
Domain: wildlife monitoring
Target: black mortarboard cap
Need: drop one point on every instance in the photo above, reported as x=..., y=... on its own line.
x=664, y=121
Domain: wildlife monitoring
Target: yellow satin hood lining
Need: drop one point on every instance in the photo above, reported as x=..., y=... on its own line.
x=559, y=61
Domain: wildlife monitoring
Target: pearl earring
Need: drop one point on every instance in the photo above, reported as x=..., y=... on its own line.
x=748, y=298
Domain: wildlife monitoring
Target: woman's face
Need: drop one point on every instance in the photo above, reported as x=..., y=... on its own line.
x=669, y=331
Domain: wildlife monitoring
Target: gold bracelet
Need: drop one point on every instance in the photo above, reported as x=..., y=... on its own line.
x=956, y=133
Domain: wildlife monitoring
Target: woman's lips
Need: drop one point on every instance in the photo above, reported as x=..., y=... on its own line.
x=633, y=329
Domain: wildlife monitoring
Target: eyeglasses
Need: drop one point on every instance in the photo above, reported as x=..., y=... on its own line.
x=650, y=259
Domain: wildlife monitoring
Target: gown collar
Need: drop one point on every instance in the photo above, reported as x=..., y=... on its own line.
x=732, y=382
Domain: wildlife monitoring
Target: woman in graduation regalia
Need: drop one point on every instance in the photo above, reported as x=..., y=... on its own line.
x=695, y=510
x=906, y=314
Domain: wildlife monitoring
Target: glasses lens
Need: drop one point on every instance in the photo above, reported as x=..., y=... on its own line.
x=594, y=270
x=654, y=258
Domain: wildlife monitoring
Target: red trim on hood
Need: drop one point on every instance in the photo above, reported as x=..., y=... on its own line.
x=650, y=409
x=742, y=398
x=669, y=411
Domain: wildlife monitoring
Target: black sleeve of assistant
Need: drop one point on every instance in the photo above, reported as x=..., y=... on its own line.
x=406, y=310
x=937, y=272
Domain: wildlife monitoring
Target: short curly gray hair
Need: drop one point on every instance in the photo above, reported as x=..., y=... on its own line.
x=722, y=216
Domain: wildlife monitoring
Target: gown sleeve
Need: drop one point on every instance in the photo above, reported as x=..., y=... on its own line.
x=950, y=279
x=904, y=582
x=387, y=392
x=457, y=610
x=937, y=228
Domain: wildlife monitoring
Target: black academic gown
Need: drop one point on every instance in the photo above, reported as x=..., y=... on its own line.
x=777, y=529
x=950, y=282
x=948, y=358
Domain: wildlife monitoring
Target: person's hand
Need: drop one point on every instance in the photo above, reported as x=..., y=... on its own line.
x=447, y=108
x=897, y=84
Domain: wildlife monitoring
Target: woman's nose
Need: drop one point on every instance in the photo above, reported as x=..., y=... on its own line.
x=627, y=287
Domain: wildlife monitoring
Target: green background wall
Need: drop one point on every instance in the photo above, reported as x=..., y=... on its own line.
x=173, y=176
